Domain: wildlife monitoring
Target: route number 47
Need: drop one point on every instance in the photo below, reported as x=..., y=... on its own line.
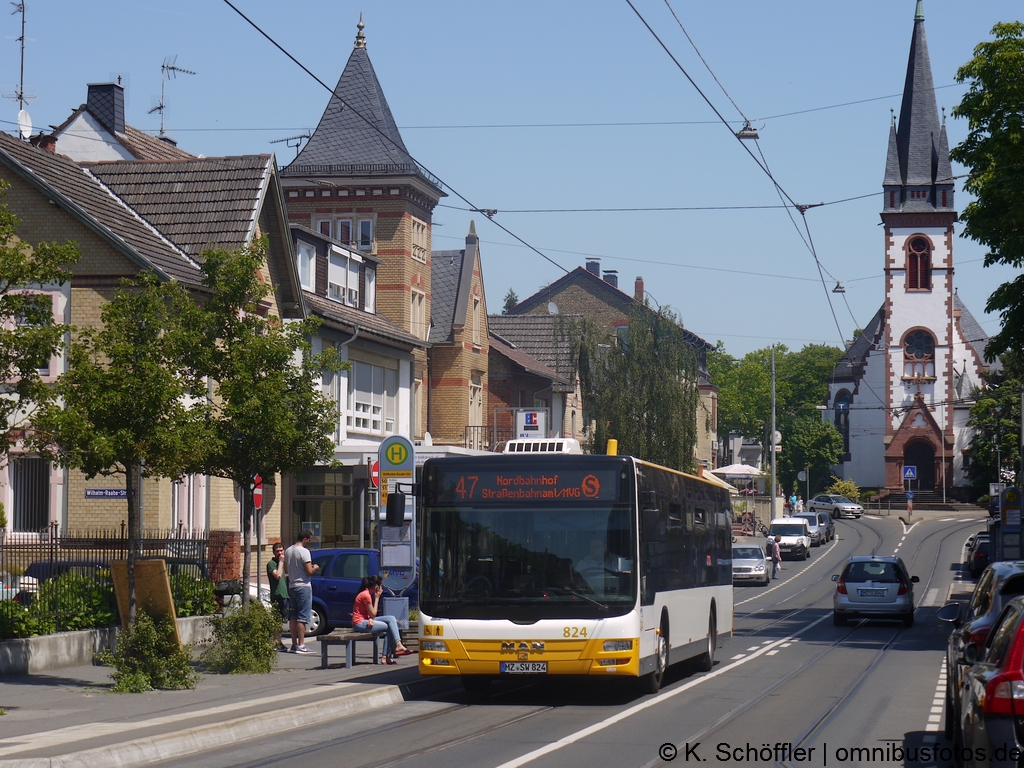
x=460, y=488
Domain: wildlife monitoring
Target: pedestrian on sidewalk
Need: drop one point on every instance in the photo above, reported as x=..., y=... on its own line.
x=299, y=567
x=799, y=504
x=278, y=589
x=776, y=557
x=365, y=618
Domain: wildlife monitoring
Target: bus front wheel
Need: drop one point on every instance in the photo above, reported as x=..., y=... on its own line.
x=651, y=682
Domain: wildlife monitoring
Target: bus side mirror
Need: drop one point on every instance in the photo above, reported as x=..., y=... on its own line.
x=395, y=515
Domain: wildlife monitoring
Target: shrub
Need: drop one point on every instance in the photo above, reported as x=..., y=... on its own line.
x=148, y=656
x=846, y=488
x=75, y=601
x=16, y=622
x=192, y=596
x=243, y=641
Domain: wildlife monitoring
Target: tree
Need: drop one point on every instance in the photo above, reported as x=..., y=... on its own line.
x=266, y=414
x=994, y=151
x=995, y=417
x=511, y=299
x=29, y=336
x=811, y=443
x=126, y=405
x=641, y=387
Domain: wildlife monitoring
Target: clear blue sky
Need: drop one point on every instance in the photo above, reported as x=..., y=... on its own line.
x=459, y=74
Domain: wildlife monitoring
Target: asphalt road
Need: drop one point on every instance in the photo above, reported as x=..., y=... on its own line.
x=788, y=688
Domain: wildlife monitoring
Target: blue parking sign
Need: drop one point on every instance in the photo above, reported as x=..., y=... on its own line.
x=910, y=473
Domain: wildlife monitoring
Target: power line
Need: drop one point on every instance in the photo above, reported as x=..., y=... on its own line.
x=383, y=135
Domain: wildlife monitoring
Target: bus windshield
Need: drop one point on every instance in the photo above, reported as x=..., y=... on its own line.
x=526, y=562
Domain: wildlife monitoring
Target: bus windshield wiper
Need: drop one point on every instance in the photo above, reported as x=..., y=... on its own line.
x=604, y=608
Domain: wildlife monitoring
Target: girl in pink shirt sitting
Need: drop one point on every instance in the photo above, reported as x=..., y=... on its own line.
x=365, y=618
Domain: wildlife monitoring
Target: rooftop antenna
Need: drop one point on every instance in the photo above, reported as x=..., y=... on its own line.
x=297, y=139
x=167, y=70
x=24, y=121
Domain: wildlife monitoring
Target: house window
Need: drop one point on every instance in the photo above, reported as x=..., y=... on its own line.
x=418, y=315
x=478, y=321
x=370, y=292
x=919, y=265
x=307, y=265
x=919, y=356
x=343, y=277
x=476, y=401
x=372, y=398
x=366, y=234
x=30, y=487
x=343, y=231
x=842, y=421
x=420, y=246
x=324, y=500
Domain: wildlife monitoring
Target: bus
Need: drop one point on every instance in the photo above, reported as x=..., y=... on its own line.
x=570, y=564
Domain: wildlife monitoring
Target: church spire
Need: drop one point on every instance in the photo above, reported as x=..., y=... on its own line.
x=919, y=141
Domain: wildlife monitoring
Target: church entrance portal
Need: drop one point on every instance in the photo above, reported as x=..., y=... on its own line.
x=921, y=455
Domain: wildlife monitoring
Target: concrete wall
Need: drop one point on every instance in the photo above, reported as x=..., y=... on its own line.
x=35, y=655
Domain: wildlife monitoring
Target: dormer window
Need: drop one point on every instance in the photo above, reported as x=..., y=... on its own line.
x=919, y=264
x=343, y=277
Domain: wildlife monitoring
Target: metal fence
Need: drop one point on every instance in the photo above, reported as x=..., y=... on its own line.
x=61, y=579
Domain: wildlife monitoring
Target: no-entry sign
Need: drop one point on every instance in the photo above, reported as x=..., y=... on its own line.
x=375, y=474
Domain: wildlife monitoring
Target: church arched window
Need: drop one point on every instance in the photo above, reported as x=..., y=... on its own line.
x=919, y=264
x=841, y=407
x=919, y=355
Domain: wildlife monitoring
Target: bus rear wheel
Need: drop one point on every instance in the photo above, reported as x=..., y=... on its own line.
x=707, y=660
x=651, y=682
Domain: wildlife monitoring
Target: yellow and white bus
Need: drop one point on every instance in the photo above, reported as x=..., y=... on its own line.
x=563, y=564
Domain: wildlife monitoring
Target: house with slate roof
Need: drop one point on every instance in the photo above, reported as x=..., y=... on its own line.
x=355, y=181
x=583, y=293
x=900, y=395
x=128, y=217
x=96, y=132
x=459, y=345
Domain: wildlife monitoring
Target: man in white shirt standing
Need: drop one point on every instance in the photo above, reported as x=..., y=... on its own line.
x=299, y=567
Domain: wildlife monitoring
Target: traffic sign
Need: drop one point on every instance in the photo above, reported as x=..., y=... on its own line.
x=375, y=473
x=396, y=461
x=257, y=493
x=910, y=495
x=910, y=473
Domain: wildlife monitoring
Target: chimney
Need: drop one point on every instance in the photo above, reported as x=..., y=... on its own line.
x=106, y=103
x=638, y=289
x=611, y=276
x=45, y=142
x=594, y=266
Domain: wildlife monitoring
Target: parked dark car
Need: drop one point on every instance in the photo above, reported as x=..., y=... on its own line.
x=993, y=506
x=979, y=556
x=992, y=694
x=337, y=582
x=972, y=621
x=41, y=571
x=823, y=529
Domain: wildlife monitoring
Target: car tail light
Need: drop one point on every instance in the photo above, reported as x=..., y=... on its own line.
x=903, y=588
x=1004, y=694
x=841, y=586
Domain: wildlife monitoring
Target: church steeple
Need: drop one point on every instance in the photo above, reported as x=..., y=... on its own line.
x=918, y=176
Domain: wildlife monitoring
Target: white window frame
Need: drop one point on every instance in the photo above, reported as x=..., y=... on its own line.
x=418, y=314
x=370, y=292
x=305, y=254
x=343, y=276
x=420, y=245
x=374, y=408
x=364, y=235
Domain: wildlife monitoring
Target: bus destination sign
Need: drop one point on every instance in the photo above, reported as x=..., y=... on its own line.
x=529, y=485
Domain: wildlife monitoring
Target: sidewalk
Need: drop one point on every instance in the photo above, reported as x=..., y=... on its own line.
x=69, y=717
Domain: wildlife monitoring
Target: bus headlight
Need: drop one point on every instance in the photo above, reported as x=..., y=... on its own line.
x=618, y=645
x=433, y=645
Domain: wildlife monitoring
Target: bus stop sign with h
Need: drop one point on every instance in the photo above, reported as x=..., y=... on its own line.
x=397, y=462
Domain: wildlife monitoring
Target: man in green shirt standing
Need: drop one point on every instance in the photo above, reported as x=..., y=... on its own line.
x=278, y=589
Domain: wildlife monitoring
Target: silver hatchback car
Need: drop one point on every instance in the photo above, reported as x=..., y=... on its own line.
x=874, y=587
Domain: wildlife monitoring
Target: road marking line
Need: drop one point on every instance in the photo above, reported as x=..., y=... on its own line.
x=772, y=652
x=572, y=738
x=756, y=647
x=768, y=591
x=932, y=598
x=739, y=656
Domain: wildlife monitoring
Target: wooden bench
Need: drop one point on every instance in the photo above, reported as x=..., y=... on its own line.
x=349, y=640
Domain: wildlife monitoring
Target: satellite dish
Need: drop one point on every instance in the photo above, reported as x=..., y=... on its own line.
x=552, y=308
x=24, y=124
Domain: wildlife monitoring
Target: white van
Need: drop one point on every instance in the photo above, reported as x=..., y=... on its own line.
x=795, y=533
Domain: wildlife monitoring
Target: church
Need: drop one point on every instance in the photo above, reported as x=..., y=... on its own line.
x=901, y=395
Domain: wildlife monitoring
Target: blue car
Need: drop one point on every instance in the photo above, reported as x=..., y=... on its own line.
x=337, y=582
